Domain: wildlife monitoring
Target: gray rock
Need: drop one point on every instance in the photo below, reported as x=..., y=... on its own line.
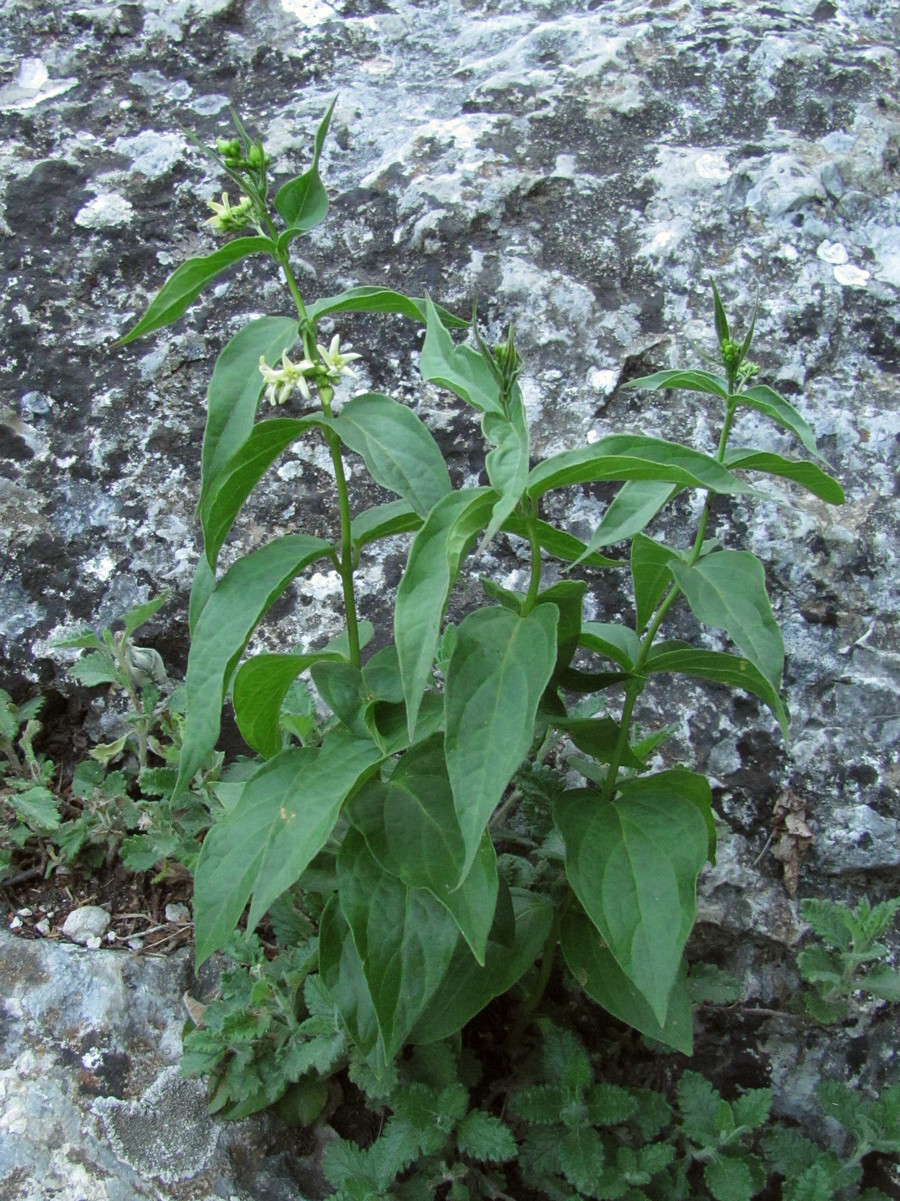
x=86, y=925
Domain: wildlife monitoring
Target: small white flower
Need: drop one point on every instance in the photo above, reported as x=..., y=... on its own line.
x=335, y=359
x=228, y=218
x=280, y=382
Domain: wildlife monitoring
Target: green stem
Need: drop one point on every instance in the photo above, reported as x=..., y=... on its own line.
x=535, y=581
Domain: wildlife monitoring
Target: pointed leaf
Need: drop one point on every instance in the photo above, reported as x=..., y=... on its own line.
x=499, y=668
x=598, y=737
x=765, y=400
x=403, y=937
x=260, y=687
x=202, y=586
x=691, y=381
x=188, y=281
x=635, y=504
x=223, y=629
x=808, y=475
x=378, y=300
x=459, y=368
x=613, y=640
x=727, y=590
x=633, y=864
x=135, y=618
x=235, y=389
x=507, y=464
x=410, y=827
x=400, y=453
x=383, y=521
x=650, y=575
x=721, y=320
x=559, y=544
x=342, y=972
x=303, y=202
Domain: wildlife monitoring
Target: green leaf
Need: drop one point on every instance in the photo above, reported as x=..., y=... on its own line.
x=260, y=687
x=284, y=817
x=729, y=1180
x=188, y=281
x=691, y=381
x=612, y=639
x=650, y=576
x=722, y=330
x=568, y=597
x=592, y=965
x=720, y=668
x=598, y=737
x=404, y=938
x=468, y=987
x=98, y=667
x=235, y=388
x=342, y=973
x=558, y=543
x=239, y=476
x=302, y=202
x=223, y=629
x=499, y=668
x=808, y=475
x=136, y=617
x=410, y=827
x=202, y=586
x=635, y=504
x=765, y=400
x=37, y=807
x=581, y=1157
x=431, y=570
x=378, y=300
x=727, y=590
x=383, y=521
x=459, y=368
x=633, y=457
x=507, y=464
x=883, y=982
x=633, y=864
x=482, y=1136
x=400, y=453
x=751, y=1110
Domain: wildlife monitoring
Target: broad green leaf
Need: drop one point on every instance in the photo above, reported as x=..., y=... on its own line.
x=459, y=368
x=612, y=639
x=431, y=571
x=633, y=864
x=689, y=785
x=722, y=669
x=598, y=737
x=378, y=300
x=808, y=475
x=581, y=1156
x=302, y=202
x=499, y=668
x=188, y=281
x=729, y=1180
x=235, y=388
x=691, y=381
x=38, y=808
x=559, y=544
x=884, y=982
x=727, y=590
x=635, y=504
x=467, y=987
x=282, y=820
x=201, y=590
x=239, y=476
x=482, y=1136
x=340, y=685
x=97, y=667
x=410, y=826
x=223, y=629
x=382, y=521
x=404, y=938
x=590, y=962
x=400, y=453
x=568, y=598
x=650, y=576
x=633, y=457
x=765, y=400
x=342, y=973
x=507, y=464
x=260, y=686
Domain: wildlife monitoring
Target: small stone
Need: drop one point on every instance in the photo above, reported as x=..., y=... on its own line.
x=136, y=943
x=43, y=926
x=16, y=924
x=85, y=923
x=24, y=912
x=178, y=913
x=92, y=942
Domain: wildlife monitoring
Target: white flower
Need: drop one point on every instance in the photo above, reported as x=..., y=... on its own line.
x=228, y=218
x=280, y=382
x=335, y=359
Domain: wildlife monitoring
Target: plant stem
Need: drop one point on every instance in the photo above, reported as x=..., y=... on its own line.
x=535, y=581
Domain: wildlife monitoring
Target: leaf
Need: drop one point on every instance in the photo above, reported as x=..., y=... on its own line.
x=188, y=281
x=467, y=987
x=635, y=504
x=202, y=586
x=342, y=973
x=235, y=388
x=592, y=965
x=459, y=368
x=302, y=202
x=240, y=475
x=751, y=1109
x=378, y=300
x=400, y=453
x=136, y=617
x=482, y=1136
x=808, y=475
x=722, y=330
x=499, y=668
x=650, y=576
x=431, y=570
x=37, y=807
x=633, y=457
x=223, y=629
x=98, y=667
x=883, y=982
x=383, y=521
x=403, y=937
x=410, y=827
x=558, y=543
x=633, y=864
x=507, y=464
x=612, y=639
x=692, y=381
x=729, y=1180
x=581, y=1157
x=765, y=400
x=597, y=737
x=727, y=590
x=282, y=820
x=260, y=687
x=568, y=598
x=722, y=669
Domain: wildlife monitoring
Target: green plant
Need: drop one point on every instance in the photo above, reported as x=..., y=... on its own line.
x=848, y=958
x=393, y=810
x=29, y=807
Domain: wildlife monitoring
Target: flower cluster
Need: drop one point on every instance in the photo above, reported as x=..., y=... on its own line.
x=281, y=381
x=228, y=217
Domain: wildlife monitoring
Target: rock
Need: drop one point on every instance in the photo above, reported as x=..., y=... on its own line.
x=86, y=925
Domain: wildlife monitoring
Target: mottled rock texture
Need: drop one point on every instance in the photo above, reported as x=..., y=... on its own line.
x=581, y=168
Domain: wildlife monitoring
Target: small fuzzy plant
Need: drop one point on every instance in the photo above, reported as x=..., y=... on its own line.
x=388, y=801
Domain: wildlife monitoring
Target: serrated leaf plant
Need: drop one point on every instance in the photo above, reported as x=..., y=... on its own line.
x=847, y=957
x=391, y=807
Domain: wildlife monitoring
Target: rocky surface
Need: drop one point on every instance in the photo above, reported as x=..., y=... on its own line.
x=580, y=168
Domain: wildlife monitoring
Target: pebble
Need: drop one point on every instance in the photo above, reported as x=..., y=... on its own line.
x=178, y=913
x=43, y=926
x=86, y=925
